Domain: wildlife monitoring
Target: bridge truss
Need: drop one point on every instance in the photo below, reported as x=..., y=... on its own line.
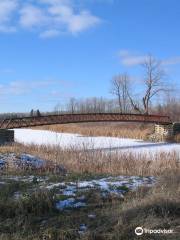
x=24, y=122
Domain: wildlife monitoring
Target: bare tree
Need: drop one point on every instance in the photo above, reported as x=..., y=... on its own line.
x=153, y=80
x=120, y=88
x=153, y=83
x=134, y=103
x=72, y=105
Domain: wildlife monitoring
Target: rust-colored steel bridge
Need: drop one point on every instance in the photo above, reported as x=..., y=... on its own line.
x=24, y=122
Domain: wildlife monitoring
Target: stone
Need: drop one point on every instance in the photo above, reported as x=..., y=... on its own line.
x=6, y=136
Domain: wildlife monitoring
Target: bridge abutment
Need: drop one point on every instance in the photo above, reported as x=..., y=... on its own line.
x=164, y=132
x=176, y=127
x=6, y=136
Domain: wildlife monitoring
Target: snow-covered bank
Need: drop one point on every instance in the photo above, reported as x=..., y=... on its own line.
x=21, y=161
x=66, y=140
x=27, y=162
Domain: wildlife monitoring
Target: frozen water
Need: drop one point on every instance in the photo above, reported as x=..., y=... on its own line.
x=67, y=141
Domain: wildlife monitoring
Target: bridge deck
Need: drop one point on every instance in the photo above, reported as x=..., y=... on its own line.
x=24, y=122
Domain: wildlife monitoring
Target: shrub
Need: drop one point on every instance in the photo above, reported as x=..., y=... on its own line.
x=37, y=204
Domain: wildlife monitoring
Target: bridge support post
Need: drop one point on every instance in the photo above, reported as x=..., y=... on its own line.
x=6, y=136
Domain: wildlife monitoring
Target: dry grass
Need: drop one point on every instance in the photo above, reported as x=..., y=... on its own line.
x=128, y=130
x=154, y=208
x=100, y=162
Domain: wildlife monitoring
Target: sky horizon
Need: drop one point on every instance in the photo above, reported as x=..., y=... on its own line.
x=52, y=50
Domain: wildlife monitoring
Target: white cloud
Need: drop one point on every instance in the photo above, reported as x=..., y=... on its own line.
x=7, y=8
x=83, y=21
x=7, y=29
x=64, y=14
x=23, y=87
x=31, y=16
x=49, y=18
x=13, y=88
x=50, y=33
x=130, y=59
x=171, y=61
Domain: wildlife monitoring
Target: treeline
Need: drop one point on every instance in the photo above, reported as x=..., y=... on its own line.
x=32, y=113
x=129, y=96
x=170, y=107
x=88, y=105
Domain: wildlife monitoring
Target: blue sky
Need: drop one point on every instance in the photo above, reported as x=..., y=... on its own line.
x=55, y=49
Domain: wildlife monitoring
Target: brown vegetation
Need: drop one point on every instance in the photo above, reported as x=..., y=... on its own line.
x=101, y=162
x=136, y=131
x=155, y=208
x=34, y=215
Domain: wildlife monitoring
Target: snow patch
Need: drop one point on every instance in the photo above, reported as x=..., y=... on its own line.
x=82, y=229
x=2, y=164
x=110, y=186
x=69, y=203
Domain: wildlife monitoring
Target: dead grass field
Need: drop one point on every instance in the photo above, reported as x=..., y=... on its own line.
x=155, y=208
x=110, y=129
x=100, y=162
x=34, y=217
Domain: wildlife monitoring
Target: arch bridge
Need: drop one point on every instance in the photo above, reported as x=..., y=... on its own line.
x=23, y=122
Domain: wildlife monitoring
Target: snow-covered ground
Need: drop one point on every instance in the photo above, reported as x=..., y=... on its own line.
x=116, y=186
x=67, y=140
x=75, y=194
